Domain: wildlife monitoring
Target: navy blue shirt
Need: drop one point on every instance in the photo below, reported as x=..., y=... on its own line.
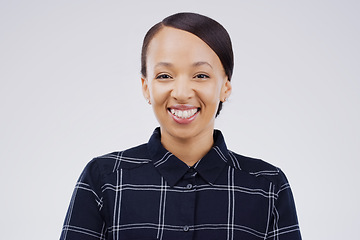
x=147, y=193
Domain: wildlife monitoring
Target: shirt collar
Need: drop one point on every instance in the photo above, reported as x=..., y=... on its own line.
x=173, y=169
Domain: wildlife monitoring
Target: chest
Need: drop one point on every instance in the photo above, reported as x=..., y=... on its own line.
x=139, y=207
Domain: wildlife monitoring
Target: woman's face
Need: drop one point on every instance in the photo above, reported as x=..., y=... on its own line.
x=185, y=82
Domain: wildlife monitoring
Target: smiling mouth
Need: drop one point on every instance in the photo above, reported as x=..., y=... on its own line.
x=184, y=114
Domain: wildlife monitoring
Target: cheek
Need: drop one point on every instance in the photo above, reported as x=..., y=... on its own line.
x=210, y=94
x=158, y=93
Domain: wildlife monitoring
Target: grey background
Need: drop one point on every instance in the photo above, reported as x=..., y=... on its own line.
x=70, y=91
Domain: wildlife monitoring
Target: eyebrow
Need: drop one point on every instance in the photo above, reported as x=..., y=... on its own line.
x=202, y=63
x=196, y=64
x=165, y=64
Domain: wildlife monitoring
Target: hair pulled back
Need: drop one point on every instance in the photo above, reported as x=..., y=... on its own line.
x=207, y=29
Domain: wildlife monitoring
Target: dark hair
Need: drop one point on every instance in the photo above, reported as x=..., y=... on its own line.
x=207, y=29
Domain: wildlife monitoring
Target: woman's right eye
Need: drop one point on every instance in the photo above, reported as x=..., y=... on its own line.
x=163, y=76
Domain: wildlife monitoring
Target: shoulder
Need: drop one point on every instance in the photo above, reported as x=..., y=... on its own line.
x=258, y=168
x=125, y=159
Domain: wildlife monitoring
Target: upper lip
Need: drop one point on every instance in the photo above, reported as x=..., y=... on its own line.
x=183, y=107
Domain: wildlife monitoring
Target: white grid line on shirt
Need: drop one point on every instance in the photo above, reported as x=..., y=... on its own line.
x=116, y=218
x=86, y=187
x=231, y=205
x=82, y=230
x=284, y=230
x=233, y=202
x=276, y=223
x=265, y=173
x=234, y=160
x=68, y=217
x=103, y=232
x=198, y=227
x=117, y=160
x=163, y=159
x=218, y=151
x=283, y=187
x=271, y=203
x=162, y=209
x=207, y=187
x=123, y=158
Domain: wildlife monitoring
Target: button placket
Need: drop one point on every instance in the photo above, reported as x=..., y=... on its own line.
x=189, y=202
x=190, y=177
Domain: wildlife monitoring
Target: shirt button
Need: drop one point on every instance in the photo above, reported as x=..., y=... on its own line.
x=186, y=228
x=189, y=186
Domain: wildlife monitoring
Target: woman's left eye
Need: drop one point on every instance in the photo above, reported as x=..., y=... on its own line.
x=201, y=75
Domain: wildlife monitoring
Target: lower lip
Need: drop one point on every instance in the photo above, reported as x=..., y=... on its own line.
x=184, y=120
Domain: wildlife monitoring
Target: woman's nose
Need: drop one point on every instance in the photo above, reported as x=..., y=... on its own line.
x=182, y=90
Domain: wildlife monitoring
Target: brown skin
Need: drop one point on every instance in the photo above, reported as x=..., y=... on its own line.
x=184, y=70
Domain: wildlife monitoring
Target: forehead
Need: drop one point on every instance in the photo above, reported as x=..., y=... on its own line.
x=171, y=45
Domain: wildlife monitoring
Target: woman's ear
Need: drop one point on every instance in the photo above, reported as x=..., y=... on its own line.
x=225, y=90
x=145, y=89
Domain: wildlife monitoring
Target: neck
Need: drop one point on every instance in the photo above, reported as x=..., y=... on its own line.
x=189, y=150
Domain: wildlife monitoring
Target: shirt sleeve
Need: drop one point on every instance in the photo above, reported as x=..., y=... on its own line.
x=83, y=219
x=283, y=224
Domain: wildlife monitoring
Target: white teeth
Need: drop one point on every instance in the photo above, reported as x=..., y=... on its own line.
x=184, y=114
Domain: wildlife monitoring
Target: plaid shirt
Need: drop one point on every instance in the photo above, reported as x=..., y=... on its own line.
x=147, y=193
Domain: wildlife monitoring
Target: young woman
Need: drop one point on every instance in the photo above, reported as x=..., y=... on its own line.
x=184, y=183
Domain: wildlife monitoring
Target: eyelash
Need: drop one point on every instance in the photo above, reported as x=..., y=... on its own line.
x=163, y=76
x=202, y=76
